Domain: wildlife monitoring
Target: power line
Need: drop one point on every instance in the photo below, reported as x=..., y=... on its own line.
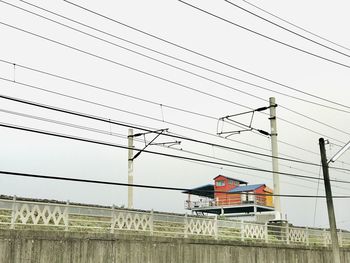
x=157, y=77
x=314, y=120
x=296, y=26
x=301, y=127
x=141, y=115
x=267, y=37
x=79, y=180
x=204, y=56
x=138, y=53
x=286, y=29
x=189, y=72
x=270, y=179
x=133, y=97
x=124, y=137
x=93, y=117
x=170, y=65
x=124, y=65
x=65, y=136
x=152, y=75
x=310, y=130
x=132, y=113
x=163, y=54
x=122, y=94
x=71, y=125
x=148, y=129
x=106, y=90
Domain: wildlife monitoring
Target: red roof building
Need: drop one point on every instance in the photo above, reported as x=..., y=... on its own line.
x=229, y=196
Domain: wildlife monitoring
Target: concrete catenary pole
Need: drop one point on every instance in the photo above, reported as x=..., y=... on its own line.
x=130, y=168
x=274, y=148
x=330, y=207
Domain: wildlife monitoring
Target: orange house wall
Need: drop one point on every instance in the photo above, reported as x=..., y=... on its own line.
x=260, y=199
x=232, y=199
x=228, y=199
x=223, y=198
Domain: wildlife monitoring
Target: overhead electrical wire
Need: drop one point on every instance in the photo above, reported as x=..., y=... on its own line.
x=203, y=55
x=145, y=116
x=184, y=70
x=124, y=136
x=265, y=36
x=71, y=125
x=128, y=112
x=270, y=179
x=123, y=65
x=137, y=98
x=296, y=26
x=161, y=53
x=80, y=180
x=141, y=141
x=314, y=120
x=126, y=95
x=178, y=135
x=133, y=113
x=123, y=94
x=174, y=149
x=165, y=134
x=140, y=54
x=179, y=68
x=300, y=126
x=190, y=112
x=137, y=126
x=287, y=29
x=81, y=139
x=151, y=74
x=189, y=72
x=133, y=97
x=97, y=118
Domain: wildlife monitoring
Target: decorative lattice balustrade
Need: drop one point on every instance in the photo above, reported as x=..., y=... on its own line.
x=253, y=231
x=296, y=235
x=200, y=226
x=123, y=220
x=22, y=214
x=38, y=214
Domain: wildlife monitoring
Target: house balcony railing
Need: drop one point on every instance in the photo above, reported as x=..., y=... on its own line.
x=222, y=202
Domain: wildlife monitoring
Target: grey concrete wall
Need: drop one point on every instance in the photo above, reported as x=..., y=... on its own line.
x=18, y=246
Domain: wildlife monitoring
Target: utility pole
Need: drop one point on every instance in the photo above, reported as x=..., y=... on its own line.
x=130, y=168
x=274, y=148
x=132, y=157
x=330, y=207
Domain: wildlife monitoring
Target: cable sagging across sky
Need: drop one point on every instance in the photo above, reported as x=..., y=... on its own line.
x=65, y=136
x=203, y=55
x=267, y=37
x=155, y=187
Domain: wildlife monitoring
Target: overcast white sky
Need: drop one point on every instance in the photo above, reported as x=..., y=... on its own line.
x=181, y=24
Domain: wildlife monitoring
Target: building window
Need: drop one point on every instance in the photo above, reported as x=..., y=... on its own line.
x=230, y=181
x=251, y=197
x=247, y=197
x=220, y=183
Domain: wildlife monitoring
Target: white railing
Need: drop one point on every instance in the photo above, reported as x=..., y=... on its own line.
x=19, y=214
x=232, y=201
